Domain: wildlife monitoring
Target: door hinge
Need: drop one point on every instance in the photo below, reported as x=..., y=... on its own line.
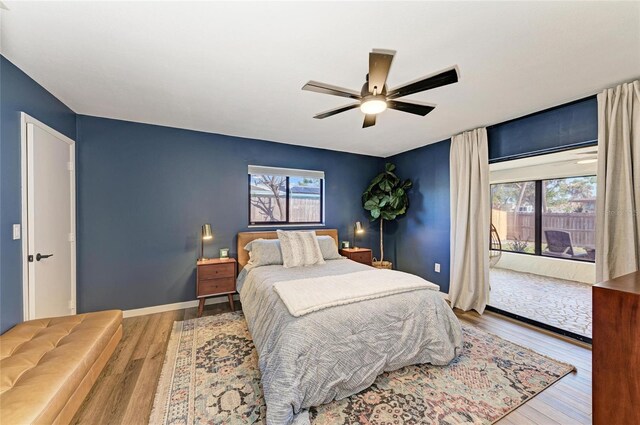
x=72, y=237
x=70, y=166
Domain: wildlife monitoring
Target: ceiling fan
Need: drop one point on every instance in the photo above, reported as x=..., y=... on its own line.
x=375, y=97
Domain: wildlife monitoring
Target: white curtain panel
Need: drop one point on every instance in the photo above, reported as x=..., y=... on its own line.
x=469, y=172
x=618, y=198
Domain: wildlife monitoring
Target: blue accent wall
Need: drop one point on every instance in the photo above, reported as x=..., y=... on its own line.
x=421, y=238
x=144, y=191
x=19, y=93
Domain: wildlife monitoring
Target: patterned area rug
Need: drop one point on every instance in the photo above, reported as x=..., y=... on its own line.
x=211, y=376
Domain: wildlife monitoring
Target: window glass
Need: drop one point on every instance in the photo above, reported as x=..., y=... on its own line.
x=513, y=215
x=305, y=199
x=568, y=217
x=268, y=199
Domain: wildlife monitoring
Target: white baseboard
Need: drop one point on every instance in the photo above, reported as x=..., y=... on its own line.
x=175, y=306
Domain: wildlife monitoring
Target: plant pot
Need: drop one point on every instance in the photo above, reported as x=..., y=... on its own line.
x=383, y=265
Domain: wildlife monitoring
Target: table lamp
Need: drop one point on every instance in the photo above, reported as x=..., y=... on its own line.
x=207, y=235
x=357, y=230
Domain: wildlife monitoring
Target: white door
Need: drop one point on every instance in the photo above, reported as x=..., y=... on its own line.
x=50, y=221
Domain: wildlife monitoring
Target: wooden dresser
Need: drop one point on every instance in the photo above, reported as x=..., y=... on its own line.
x=359, y=255
x=215, y=277
x=616, y=351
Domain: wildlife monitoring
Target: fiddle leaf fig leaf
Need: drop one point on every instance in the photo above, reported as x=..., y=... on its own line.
x=370, y=205
x=389, y=166
x=388, y=215
x=385, y=185
x=375, y=213
x=375, y=181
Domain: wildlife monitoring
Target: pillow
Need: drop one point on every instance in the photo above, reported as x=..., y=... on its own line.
x=264, y=252
x=299, y=249
x=328, y=248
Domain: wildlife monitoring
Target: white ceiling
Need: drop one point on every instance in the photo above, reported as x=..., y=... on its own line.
x=237, y=68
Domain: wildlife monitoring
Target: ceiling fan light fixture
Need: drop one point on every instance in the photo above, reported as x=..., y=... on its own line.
x=373, y=105
x=374, y=96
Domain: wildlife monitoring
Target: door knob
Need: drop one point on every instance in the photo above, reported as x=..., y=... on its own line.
x=40, y=256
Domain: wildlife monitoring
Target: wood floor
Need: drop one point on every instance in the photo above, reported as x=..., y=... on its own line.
x=124, y=391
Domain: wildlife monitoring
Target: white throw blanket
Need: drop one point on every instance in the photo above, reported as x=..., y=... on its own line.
x=302, y=296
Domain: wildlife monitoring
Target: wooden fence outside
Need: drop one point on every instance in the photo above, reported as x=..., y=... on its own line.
x=301, y=210
x=582, y=226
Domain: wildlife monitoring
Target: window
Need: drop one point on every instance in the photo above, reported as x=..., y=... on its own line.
x=512, y=213
x=554, y=217
x=569, y=217
x=285, y=196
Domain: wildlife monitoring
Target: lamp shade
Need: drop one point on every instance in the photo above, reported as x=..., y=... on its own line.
x=358, y=227
x=207, y=233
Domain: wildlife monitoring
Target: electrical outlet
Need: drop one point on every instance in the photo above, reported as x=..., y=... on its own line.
x=16, y=232
x=437, y=268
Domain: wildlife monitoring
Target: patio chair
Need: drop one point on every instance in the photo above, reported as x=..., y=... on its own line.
x=559, y=244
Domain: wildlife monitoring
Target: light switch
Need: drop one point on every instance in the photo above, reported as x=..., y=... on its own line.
x=16, y=232
x=437, y=267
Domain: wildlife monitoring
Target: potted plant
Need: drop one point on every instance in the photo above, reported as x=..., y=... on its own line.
x=386, y=199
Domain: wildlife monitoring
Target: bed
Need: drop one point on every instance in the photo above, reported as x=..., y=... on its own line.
x=337, y=351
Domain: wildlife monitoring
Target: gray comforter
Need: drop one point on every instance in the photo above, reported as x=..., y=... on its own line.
x=336, y=352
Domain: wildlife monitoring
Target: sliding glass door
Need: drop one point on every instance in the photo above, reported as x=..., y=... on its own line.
x=546, y=229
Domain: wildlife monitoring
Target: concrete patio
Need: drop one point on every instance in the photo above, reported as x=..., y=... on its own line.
x=561, y=303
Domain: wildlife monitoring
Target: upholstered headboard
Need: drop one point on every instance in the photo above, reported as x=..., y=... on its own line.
x=245, y=237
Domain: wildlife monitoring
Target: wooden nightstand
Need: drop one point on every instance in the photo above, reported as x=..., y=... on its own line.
x=359, y=255
x=215, y=277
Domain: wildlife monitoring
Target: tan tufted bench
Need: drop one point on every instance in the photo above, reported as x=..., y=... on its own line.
x=48, y=366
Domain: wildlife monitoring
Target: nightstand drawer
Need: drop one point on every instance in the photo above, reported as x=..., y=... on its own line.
x=361, y=257
x=216, y=286
x=215, y=271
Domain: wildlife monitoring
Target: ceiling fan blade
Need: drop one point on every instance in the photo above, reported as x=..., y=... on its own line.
x=331, y=112
x=369, y=120
x=329, y=89
x=379, y=65
x=412, y=108
x=428, y=83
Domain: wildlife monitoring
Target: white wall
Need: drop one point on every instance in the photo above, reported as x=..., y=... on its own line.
x=579, y=271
